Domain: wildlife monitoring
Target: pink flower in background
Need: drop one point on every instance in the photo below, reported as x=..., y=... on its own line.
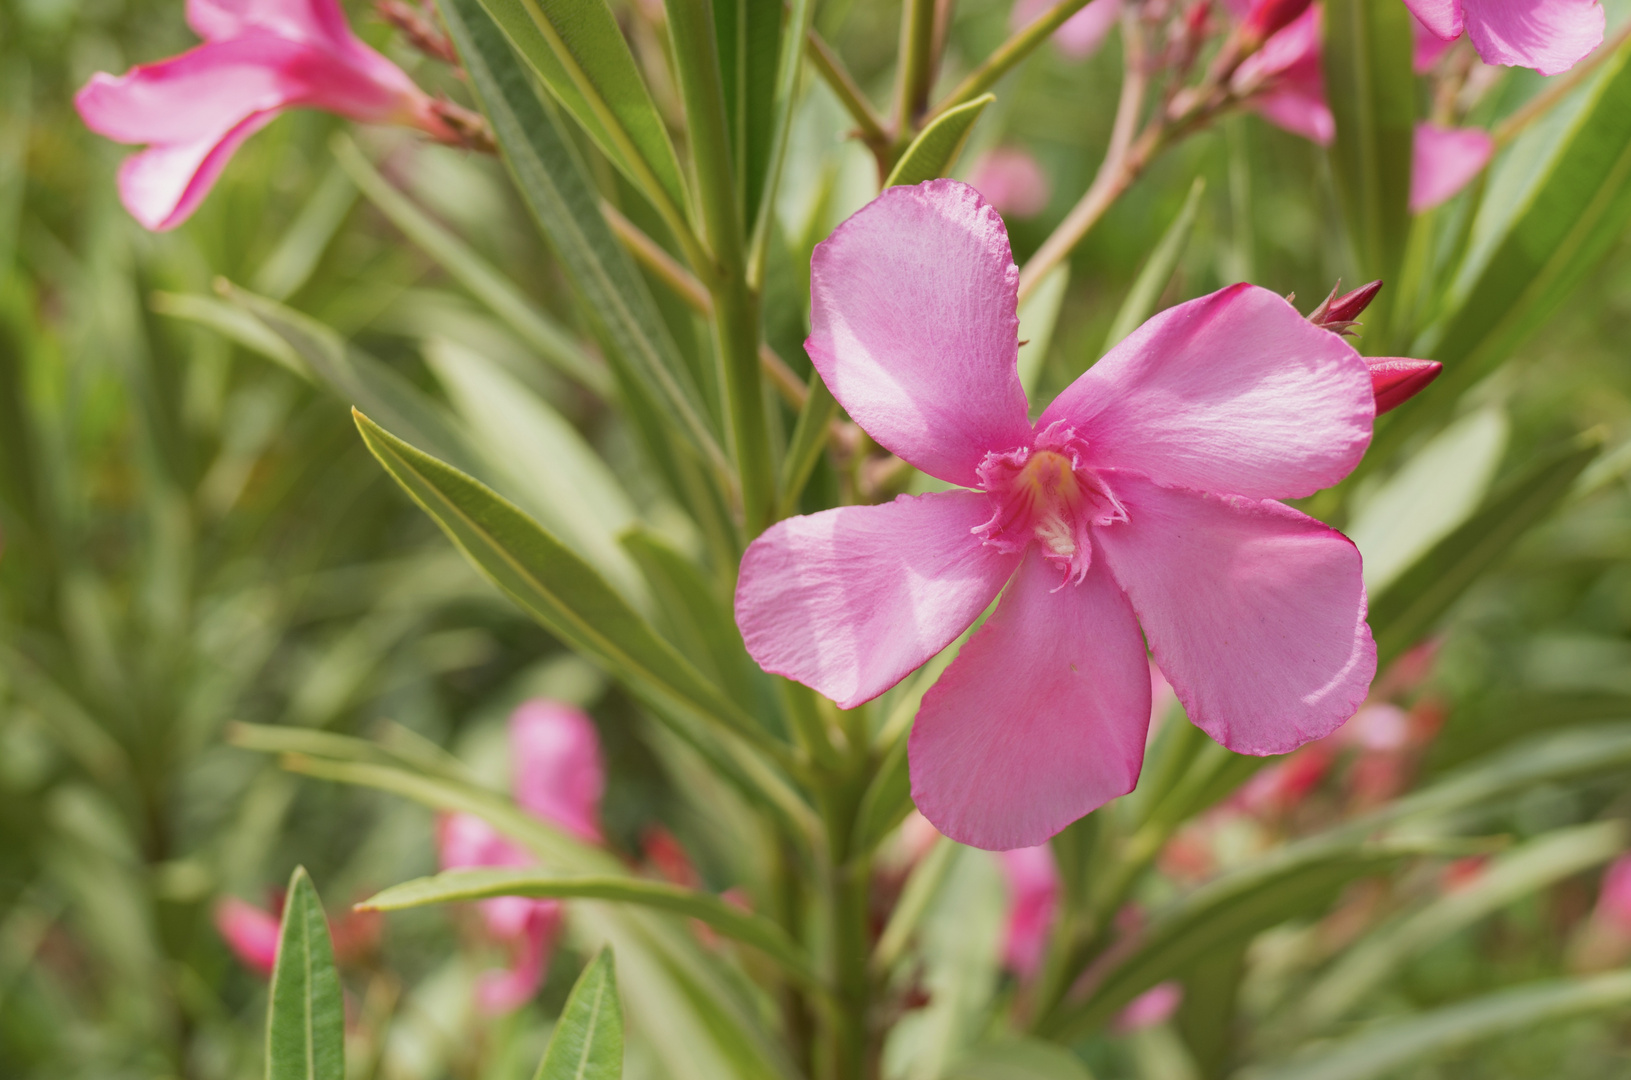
x=259, y=57
x=1281, y=787
x=558, y=777
x=1154, y=1006
x=1079, y=36
x=1614, y=901
x=1012, y=181
x=250, y=932
x=1143, y=497
x=1429, y=46
x=1550, y=36
x=1443, y=161
x=1033, y=900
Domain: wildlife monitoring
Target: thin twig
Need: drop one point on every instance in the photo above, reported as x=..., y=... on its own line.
x=783, y=378
x=916, y=67
x=873, y=128
x=1009, y=53
x=1537, y=106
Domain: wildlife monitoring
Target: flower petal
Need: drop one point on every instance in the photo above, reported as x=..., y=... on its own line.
x=850, y=601
x=914, y=327
x=1429, y=46
x=1443, y=17
x=315, y=21
x=1233, y=393
x=1550, y=36
x=1443, y=159
x=1033, y=901
x=506, y=989
x=163, y=185
x=1255, y=612
x=1040, y=719
x=557, y=771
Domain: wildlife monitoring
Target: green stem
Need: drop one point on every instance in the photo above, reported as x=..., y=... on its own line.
x=736, y=306
x=916, y=68
x=873, y=128
x=1009, y=53
x=787, y=84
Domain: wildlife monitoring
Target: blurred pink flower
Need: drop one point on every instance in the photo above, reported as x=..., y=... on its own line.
x=1143, y=497
x=1154, y=1006
x=1614, y=901
x=1550, y=36
x=250, y=932
x=1429, y=46
x=558, y=777
x=1282, y=786
x=1080, y=35
x=1012, y=181
x=259, y=57
x=1033, y=900
x=1443, y=161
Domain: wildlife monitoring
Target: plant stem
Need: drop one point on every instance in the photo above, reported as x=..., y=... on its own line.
x=736, y=307
x=872, y=127
x=650, y=254
x=916, y=68
x=1009, y=53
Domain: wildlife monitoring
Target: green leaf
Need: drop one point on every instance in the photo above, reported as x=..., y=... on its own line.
x=887, y=800
x=1037, y=315
x=1572, y=211
x=809, y=439
x=1410, y=606
x=788, y=66
x=233, y=323
x=1371, y=89
x=486, y=284
x=748, y=33
x=937, y=146
x=1019, y=1059
x=651, y=373
x=578, y=50
x=305, y=1026
x=460, y=885
x=1157, y=270
x=553, y=585
x=587, y=1043
x=1384, y=1048
x=291, y=263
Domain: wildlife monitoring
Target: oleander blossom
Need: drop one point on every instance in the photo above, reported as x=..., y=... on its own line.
x=1143, y=496
x=557, y=777
x=259, y=57
x=1033, y=901
x=1550, y=36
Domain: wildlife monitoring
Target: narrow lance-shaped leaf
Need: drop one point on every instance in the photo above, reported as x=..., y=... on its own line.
x=305, y=1025
x=1157, y=270
x=937, y=146
x=587, y=1043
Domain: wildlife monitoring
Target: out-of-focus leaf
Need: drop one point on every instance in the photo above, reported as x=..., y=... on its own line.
x=1157, y=269
x=739, y=925
x=808, y=441
x=305, y=1031
x=548, y=465
x=748, y=32
x=1019, y=1059
x=1413, y=603
x=653, y=378
x=587, y=1043
x=1383, y=1049
x=233, y=323
x=922, y=884
x=887, y=801
x=1372, y=93
x=1507, y=878
x=1206, y=1018
x=552, y=584
x=291, y=263
x=485, y=283
x=578, y=50
x=789, y=63
x=1037, y=316
x=937, y=146
x=1431, y=494
x=1571, y=212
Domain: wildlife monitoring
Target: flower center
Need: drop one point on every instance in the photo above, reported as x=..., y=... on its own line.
x=1044, y=493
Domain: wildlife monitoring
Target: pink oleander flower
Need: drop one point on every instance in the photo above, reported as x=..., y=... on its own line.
x=1012, y=181
x=250, y=932
x=558, y=777
x=1550, y=36
x=1079, y=36
x=1143, y=497
x=1033, y=900
x=1614, y=901
x=1443, y=161
x=259, y=57
x=1154, y=1006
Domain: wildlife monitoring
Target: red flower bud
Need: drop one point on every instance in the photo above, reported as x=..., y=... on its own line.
x=1396, y=379
x=1266, y=17
x=1340, y=313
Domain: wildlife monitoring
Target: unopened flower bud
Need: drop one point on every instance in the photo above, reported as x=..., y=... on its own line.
x=1339, y=314
x=1267, y=17
x=1396, y=379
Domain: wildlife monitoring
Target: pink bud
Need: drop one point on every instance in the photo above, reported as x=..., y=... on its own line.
x=1397, y=379
x=1033, y=884
x=1340, y=313
x=1614, y=901
x=249, y=932
x=1266, y=17
x=1154, y=1006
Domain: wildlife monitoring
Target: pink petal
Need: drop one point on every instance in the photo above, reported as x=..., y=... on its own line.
x=1292, y=109
x=1550, y=36
x=504, y=991
x=1288, y=68
x=1012, y=181
x=1233, y=393
x=850, y=601
x=465, y=841
x=197, y=96
x=315, y=21
x=1443, y=161
x=914, y=323
x=1429, y=46
x=1443, y=17
x=163, y=185
x=250, y=933
x=1033, y=900
x=1154, y=1006
x=1041, y=717
x=1614, y=901
x=558, y=774
x=1255, y=612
